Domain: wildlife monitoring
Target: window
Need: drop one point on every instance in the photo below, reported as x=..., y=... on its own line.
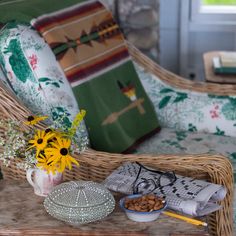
x=218, y=2
x=213, y=10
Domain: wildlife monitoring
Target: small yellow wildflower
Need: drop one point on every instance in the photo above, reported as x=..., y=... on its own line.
x=76, y=122
x=40, y=140
x=32, y=120
x=59, y=153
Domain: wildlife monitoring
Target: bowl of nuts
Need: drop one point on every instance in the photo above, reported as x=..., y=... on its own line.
x=142, y=208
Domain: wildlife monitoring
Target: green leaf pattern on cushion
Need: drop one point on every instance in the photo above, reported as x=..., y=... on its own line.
x=166, y=90
x=18, y=61
x=219, y=132
x=164, y=101
x=218, y=96
x=43, y=79
x=61, y=114
x=181, y=135
x=49, y=81
x=192, y=128
x=229, y=110
x=30, y=42
x=173, y=144
x=233, y=155
x=170, y=141
x=178, y=97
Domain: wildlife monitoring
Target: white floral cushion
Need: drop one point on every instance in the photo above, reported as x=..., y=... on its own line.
x=186, y=110
x=170, y=141
x=35, y=75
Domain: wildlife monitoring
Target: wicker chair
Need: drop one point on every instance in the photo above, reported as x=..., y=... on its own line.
x=97, y=166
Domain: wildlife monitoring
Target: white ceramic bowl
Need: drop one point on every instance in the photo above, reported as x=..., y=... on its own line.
x=140, y=216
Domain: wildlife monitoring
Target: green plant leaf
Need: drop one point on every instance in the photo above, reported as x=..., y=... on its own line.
x=164, y=102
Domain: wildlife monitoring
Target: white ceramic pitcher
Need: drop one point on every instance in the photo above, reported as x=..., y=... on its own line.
x=42, y=181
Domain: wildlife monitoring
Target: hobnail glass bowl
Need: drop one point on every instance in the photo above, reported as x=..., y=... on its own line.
x=79, y=202
x=138, y=215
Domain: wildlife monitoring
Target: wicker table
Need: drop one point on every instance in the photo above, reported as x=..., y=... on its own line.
x=22, y=213
x=210, y=76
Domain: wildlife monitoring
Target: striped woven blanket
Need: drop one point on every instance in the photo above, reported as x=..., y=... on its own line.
x=91, y=49
x=85, y=40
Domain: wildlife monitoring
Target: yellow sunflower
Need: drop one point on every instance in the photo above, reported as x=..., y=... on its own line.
x=32, y=120
x=44, y=164
x=55, y=133
x=59, y=153
x=40, y=140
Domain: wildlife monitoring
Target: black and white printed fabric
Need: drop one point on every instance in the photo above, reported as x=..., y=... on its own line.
x=183, y=194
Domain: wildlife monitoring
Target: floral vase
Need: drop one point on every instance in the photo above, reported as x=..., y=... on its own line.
x=42, y=181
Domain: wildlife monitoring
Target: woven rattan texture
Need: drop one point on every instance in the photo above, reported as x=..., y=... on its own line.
x=97, y=166
x=180, y=82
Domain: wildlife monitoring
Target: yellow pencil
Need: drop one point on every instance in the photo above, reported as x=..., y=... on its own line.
x=188, y=220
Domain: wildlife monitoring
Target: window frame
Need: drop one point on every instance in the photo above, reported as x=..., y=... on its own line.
x=212, y=14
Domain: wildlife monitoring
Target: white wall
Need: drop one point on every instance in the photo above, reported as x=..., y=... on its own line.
x=169, y=34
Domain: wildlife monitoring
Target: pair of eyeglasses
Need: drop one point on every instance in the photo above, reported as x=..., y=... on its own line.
x=146, y=186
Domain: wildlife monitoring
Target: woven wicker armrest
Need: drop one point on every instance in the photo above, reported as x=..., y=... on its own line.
x=96, y=166
x=178, y=81
x=217, y=169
